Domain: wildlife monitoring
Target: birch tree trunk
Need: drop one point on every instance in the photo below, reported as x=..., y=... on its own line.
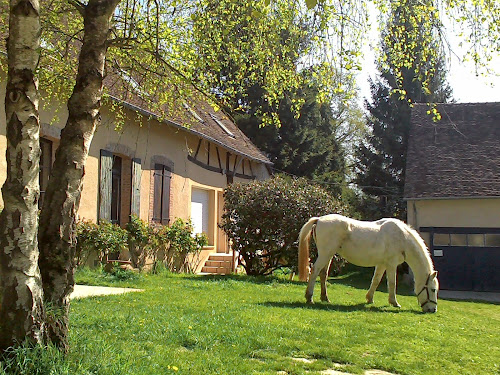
x=62, y=197
x=21, y=308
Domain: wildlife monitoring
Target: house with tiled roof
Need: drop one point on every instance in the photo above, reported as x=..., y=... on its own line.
x=158, y=167
x=452, y=190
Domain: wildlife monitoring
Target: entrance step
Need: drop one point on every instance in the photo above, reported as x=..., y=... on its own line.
x=218, y=264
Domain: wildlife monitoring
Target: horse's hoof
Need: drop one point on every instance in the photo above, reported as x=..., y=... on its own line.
x=325, y=299
x=395, y=304
x=310, y=302
x=369, y=298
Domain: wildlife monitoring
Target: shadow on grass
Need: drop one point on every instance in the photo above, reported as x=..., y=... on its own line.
x=338, y=307
x=361, y=277
x=244, y=278
x=353, y=276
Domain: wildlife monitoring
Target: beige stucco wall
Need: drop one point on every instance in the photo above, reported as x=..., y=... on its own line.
x=454, y=213
x=145, y=139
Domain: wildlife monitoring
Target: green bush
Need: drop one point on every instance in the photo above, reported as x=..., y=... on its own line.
x=176, y=246
x=144, y=242
x=100, y=239
x=184, y=246
x=263, y=220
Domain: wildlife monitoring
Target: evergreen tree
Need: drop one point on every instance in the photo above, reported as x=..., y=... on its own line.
x=381, y=158
x=304, y=146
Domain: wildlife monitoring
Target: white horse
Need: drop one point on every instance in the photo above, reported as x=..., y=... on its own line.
x=383, y=244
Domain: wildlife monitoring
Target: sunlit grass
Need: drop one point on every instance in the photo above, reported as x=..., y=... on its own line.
x=240, y=325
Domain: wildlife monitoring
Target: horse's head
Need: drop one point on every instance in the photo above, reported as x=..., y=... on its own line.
x=427, y=297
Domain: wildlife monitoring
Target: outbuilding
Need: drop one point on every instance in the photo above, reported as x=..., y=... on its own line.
x=452, y=190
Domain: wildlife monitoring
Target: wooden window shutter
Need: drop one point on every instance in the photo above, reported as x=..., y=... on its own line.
x=165, y=202
x=161, y=202
x=135, y=201
x=157, y=181
x=105, y=185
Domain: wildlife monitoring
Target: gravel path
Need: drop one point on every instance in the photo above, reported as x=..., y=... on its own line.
x=82, y=291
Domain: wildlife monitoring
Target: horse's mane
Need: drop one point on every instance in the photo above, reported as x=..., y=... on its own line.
x=421, y=243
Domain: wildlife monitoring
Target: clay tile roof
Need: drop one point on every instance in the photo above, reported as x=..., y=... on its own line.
x=197, y=117
x=457, y=157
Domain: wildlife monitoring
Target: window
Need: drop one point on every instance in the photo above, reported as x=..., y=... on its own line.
x=222, y=126
x=116, y=185
x=458, y=239
x=193, y=113
x=492, y=240
x=463, y=237
x=426, y=237
x=45, y=167
x=475, y=239
x=132, y=82
x=442, y=239
x=161, y=206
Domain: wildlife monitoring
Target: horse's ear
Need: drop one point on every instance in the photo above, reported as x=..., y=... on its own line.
x=434, y=274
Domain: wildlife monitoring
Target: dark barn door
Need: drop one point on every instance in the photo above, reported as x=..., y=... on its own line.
x=455, y=266
x=466, y=258
x=487, y=269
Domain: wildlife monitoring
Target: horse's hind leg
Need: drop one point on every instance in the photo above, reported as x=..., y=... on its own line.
x=391, y=284
x=323, y=275
x=320, y=263
x=377, y=276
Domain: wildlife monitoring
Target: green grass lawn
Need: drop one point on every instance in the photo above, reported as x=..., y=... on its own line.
x=240, y=325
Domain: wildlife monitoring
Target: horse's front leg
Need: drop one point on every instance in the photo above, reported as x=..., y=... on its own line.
x=323, y=275
x=377, y=277
x=391, y=285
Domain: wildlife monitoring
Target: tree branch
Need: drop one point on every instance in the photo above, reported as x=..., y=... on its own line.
x=121, y=42
x=79, y=6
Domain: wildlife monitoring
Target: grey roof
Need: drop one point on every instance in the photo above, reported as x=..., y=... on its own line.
x=457, y=157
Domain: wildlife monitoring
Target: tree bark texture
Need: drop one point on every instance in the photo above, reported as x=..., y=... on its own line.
x=21, y=305
x=57, y=236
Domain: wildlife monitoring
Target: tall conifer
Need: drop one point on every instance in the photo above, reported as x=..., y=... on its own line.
x=381, y=158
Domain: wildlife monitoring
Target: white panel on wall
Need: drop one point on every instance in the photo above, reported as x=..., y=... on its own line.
x=199, y=210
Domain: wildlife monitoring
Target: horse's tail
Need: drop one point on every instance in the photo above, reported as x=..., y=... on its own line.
x=304, y=239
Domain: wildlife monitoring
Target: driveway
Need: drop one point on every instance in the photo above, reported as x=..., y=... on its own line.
x=82, y=291
x=470, y=296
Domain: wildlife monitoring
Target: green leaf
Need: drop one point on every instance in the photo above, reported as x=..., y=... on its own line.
x=311, y=3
